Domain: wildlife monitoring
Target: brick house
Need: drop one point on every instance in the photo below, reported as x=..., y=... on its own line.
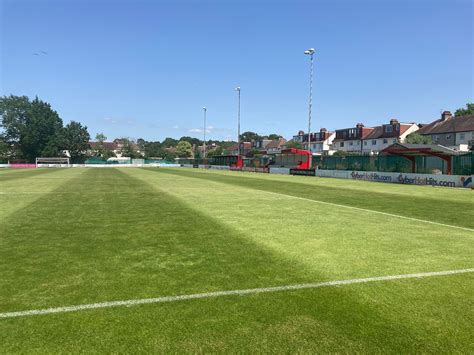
x=385, y=135
x=456, y=132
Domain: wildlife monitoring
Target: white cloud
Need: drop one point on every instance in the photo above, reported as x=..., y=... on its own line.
x=195, y=130
x=120, y=121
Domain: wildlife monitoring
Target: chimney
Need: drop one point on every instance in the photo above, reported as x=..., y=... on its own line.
x=393, y=121
x=323, y=130
x=301, y=133
x=359, y=125
x=446, y=115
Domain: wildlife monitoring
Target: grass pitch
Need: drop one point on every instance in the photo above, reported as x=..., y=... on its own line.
x=80, y=236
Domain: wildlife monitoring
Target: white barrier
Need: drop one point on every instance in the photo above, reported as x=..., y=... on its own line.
x=285, y=171
x=4, y=165
x=401, y=178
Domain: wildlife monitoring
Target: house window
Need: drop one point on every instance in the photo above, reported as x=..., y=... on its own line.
x=388, y=129
x=374, y=142
x=385, y=141
x=448, y=136
x=462, y=136
x=342, y=144
x=358, y=142
x=365, y=142
x=394, y=141
x=351, y=143
x=435, y=138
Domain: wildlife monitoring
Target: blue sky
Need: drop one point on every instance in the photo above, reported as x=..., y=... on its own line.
x=146, y=68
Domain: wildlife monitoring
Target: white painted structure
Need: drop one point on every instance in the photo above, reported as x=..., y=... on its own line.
x=380, y=139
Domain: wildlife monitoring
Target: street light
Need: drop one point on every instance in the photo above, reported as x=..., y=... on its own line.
x=238, y=121
x=204, y=150
x=310, y=52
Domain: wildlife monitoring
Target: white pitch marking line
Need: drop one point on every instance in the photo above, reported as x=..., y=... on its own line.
x=372, y=211
x=250, y=291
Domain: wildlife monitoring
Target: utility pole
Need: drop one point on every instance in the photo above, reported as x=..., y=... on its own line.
x=238, y=119
x=204, y=131
x=310, y=52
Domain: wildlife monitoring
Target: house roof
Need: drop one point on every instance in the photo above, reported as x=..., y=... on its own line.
x=379, y=133
x=107, y=145
x=276, y=143
x=247, y=145
x=419, y=149
x=451, y=125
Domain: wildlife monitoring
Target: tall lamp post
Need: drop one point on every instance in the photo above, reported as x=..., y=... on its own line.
x=204, y=131
x=310, y=52
x=238, y=120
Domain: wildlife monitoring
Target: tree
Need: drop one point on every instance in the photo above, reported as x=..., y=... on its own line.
x=184, y=149
x=168, y=156
x=416, y=138
x=250, y=136
x=102, y=150
x=153, y=149
x=75, y=139
x=274, y=136
x=129, y=148
x=198, y=155
x=141, y=143
x=169, y=142
x=4, y=149
x=31, y=128
x=469, y=110
x=294, y=144
x=191, y=140
x=218, y=151
x=100, y=137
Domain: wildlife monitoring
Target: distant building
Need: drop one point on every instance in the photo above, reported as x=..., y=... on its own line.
x=260, y=144
x=275, y=146
x=456, y=132
x=110, y=146
x=350, y=139
x=245, y=149
x=321, y=142
x=385, y=135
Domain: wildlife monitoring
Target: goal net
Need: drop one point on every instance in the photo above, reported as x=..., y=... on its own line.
x=52, y=162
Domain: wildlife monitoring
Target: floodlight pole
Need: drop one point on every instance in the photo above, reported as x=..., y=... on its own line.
x=238, y=120
x=204, y=148
x=310, y=52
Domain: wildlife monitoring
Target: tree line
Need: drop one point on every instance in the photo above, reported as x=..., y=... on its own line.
x=32, y=128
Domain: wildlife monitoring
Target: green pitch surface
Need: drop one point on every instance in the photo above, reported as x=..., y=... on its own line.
x=80, y=236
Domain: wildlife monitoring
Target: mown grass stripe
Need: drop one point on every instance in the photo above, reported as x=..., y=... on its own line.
x=373, y=211
x=242, y=292
x=222, y=179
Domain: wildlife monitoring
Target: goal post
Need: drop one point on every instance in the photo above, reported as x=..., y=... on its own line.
x=59, y=162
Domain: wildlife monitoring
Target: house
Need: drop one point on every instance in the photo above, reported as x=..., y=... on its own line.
x=245, y=149
x=350, y=139
x=110, y=146
x=321, y=142
x=275, y=146
x=260, y=144
x=456, y=132
x=385, y=135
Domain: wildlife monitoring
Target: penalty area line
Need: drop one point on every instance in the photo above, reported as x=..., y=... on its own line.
x=128, y=303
